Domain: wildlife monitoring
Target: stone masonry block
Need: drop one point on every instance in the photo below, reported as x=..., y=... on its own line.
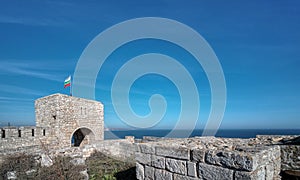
x=263, y=157
x=176, y=166
x=273, y=169
x=182, y=177
x=140, y=172
x=136, y=148
x=277, y=166
x=255, y=175
x=178, y=153
x=149, y=173
x=147, y=148
x=269, y=171
x=198, y=155
x=158, y=161
x=162, y=175
x=191, y=169
x=274, y=152
x=143, y=158
x=290, y=157
x=214, y=172
x=232, y=160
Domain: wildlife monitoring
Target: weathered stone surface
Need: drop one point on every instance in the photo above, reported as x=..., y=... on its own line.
x=148, y=149
x=130, y=139
x=214, y=172
x=274, y=152
x=176, y=166
x=277, y=139
x=262, y=155
x=78, y=161
x=277, y=166
x=272, y=168
x=30, y=172
x=182, y=177
x=149, y=172
x=175, y=152
x=85, y=174
x=198, y=155
x=239, y=161
x=158, y=161
x=140, y=171
x=219, y=158
x=191, y=169
x=46, y=161
x=118, y=148
x=269, y=172
x=290, y=157
x=136, y=147
x=143, y=158
x=162, y=175
x=11, y=175
x=255, y=175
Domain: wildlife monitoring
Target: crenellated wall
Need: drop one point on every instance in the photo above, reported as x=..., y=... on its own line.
x=22, y=132
x=18, y=137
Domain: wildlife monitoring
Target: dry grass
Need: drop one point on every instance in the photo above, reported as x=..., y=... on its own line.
x=60, y=170
x=101, y=166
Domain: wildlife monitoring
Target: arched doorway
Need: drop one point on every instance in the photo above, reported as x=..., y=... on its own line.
x=82, y=136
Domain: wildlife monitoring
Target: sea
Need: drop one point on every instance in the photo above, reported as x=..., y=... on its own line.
x=227, y=133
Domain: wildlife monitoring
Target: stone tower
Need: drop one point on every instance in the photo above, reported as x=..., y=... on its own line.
x=69, y=121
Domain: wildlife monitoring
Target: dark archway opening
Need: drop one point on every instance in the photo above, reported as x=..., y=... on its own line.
x=82, y=136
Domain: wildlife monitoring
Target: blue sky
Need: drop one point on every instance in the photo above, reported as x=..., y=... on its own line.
x=257, y=43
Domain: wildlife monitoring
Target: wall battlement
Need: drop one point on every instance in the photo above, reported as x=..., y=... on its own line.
x=12, y=138
x=22, y=132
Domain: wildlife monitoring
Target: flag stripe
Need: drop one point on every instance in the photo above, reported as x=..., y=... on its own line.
x=67, y=82
x=67, y=85
x=68, y=79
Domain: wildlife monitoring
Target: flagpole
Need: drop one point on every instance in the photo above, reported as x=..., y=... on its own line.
x=71, y=86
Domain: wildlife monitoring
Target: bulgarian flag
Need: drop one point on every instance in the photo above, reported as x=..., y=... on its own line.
x=67, y=82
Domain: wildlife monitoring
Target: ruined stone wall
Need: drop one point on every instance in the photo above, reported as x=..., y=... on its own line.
x=207, y=158
x=122, y=149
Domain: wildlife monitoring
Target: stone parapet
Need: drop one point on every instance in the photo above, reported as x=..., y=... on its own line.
x=290, y=150
x=207, y=158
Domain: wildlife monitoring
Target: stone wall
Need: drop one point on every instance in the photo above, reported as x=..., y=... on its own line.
x=123, y=149
x=290, y=150
x=290, y=157
x=15, y=139
x=207, y=158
